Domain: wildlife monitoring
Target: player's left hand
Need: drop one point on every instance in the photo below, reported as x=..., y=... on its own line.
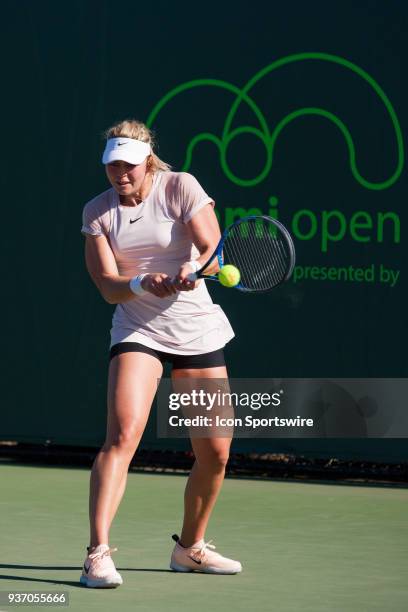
x=181, y=281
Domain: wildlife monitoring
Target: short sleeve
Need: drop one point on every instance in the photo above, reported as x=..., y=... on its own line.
x=190, y=196
x=94, y=218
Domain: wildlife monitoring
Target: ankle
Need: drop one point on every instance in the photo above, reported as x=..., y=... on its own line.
x=92, y=547
x=188, y=543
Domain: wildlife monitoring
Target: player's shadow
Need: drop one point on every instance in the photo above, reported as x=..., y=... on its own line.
x=48, y=581
x=73, y=583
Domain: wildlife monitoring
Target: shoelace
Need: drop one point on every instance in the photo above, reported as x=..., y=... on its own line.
x=98, y=556
x=202, y=549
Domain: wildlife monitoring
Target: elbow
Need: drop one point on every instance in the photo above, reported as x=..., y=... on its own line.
x=205, y=249
x=110, y=300
x=106, y=295
x=104, y=290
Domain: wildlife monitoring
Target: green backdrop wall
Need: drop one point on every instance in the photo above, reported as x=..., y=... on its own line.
x=295, y=109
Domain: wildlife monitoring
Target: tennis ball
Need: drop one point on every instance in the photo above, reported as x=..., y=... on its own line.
x=229, y=276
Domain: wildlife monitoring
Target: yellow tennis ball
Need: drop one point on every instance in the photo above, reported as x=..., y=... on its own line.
x=229, y=276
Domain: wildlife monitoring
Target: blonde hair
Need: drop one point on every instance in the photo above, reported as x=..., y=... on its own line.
x=130, y=128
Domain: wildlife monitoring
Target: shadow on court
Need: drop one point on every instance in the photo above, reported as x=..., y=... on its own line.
x=27, y=579
x=72, y=583
x=78, y=569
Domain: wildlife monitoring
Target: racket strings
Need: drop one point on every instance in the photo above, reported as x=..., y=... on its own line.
x=237, y=252
x=260, y=275
x=261, y=252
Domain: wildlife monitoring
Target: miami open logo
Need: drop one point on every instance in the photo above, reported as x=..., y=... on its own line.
x=323, y=227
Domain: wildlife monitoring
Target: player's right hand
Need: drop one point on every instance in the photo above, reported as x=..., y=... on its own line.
x=158, y=284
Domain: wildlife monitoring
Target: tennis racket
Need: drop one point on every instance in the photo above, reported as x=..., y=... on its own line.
x=262, y=250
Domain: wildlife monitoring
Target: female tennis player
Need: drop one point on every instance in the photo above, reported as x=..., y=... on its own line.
x=144, y=236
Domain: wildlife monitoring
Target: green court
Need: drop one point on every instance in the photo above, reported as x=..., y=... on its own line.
x=303, y=546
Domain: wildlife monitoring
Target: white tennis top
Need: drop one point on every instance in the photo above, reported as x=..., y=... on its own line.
x=153, y=237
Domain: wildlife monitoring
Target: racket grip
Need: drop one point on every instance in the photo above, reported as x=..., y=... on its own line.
x=191, y=277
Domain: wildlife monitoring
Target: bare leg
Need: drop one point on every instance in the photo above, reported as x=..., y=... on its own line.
x=207, y=474
x=203, y=486
x=131, y=389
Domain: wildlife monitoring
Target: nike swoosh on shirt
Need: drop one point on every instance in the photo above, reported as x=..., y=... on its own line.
x=134, y=220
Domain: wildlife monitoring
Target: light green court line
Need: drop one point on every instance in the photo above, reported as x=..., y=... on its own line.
x=306, y=547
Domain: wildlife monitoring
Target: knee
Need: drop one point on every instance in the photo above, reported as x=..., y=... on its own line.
x=125, y=441
x=214, y=460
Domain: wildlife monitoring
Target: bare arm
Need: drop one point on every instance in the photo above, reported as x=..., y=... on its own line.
x=114, y=288
x=205, y=234
x=102, y=268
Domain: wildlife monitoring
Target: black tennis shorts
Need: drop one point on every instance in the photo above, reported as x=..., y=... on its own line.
x=205, y=360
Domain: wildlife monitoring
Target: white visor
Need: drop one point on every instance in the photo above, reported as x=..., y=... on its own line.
x=125, y=149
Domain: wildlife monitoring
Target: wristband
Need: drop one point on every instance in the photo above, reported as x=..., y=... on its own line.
x=135, y=284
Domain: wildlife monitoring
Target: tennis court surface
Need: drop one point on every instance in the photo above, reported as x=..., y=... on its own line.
x=303, y=546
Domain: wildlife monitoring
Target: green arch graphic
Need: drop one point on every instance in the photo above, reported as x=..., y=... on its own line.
x=269, y=138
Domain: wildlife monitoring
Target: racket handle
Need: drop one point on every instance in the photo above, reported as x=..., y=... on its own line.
x=191, y=277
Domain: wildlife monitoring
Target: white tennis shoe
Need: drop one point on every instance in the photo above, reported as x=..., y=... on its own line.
x=201, y=558
x=99, y=571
